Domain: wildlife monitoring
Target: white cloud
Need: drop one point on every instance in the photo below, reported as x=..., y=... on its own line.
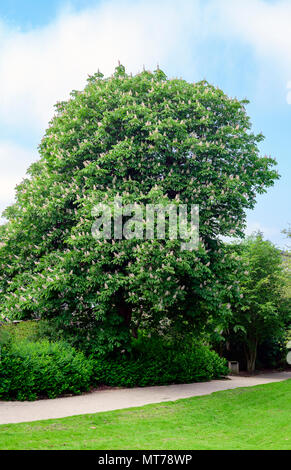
x=14, y=161
x=41, y=66
x=262, y=24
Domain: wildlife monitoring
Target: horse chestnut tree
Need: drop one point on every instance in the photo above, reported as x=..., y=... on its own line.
x=148, y=139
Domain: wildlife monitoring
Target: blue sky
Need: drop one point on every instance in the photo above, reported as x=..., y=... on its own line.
x=48, y=48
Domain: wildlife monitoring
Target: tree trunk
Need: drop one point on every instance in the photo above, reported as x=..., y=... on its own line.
x=134, y=332
x=251, y=362
x=251, y=354
x=125, y=311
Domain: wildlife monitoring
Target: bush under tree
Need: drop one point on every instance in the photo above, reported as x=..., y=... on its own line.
x=31, y=370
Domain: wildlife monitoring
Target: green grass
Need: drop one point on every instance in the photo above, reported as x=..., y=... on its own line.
x=246, y=418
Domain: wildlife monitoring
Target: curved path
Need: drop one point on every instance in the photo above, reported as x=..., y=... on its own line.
x=115, y=399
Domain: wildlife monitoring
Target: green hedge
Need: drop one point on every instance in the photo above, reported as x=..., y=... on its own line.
x=161, y=367
x=42, y=369
x=31, y=370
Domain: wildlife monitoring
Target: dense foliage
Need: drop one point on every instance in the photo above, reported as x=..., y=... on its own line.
x=157, y=363
x=150, y=140
x=29, y=370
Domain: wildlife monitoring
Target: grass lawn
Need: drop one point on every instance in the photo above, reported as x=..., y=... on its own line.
x=246, y=418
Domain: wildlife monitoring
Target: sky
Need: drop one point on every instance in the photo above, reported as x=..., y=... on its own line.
x=49, y=47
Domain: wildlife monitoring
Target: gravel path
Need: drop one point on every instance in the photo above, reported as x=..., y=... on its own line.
x=106, y=400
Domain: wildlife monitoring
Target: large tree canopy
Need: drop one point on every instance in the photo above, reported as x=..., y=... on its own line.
x=151, y=140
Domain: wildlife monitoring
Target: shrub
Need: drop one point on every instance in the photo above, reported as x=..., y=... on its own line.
x=160, y=366
x=42, y=369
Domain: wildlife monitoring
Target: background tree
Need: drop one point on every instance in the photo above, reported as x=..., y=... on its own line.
x=148, y=139
x=287, y=231
x=263, y=311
